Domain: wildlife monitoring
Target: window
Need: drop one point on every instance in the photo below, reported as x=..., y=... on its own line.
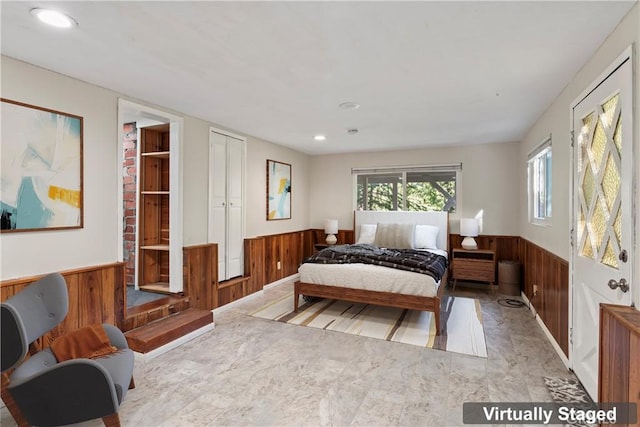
x=426, y=188
x=539, y=170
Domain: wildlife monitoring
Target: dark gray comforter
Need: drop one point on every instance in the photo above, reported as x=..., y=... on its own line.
x=422, y=262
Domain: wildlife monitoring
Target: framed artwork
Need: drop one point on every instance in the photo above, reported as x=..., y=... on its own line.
x=278, y=190
x=41, y=176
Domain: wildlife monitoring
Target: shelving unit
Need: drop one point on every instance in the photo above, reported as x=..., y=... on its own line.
x=154, y=203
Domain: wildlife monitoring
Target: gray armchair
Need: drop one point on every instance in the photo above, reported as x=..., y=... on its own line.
x=49, y=393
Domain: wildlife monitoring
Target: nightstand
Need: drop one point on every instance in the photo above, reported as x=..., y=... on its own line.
x=478, y=265
x=320, y=246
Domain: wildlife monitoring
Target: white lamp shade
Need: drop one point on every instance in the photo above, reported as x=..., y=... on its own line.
x=330, y=226
x=468, y=227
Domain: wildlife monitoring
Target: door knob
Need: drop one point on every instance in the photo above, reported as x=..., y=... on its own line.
x=622, y=284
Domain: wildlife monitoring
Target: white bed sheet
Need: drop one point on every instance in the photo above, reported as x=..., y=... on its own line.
x=371, y=278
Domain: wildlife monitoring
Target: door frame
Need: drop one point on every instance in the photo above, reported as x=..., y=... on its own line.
x=626, y=55
x=176, y=124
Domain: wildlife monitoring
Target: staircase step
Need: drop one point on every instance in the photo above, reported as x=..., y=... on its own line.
x=160, y=332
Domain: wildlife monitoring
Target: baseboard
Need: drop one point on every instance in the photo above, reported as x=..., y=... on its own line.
x=546, y=331
x=145, y=357
x=281, y=281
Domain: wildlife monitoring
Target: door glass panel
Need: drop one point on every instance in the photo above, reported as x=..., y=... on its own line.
x=587, y=249
x=610, y=182
x=617, y=135
x=609, y=258
x=588, y=186
x=598, y=224
x=598, y=145
x=608, y=108
x=617, y=226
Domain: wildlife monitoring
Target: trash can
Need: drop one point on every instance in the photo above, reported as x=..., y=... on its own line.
x=509, y=273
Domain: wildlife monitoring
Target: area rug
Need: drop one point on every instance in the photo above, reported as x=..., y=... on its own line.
x=568, y=390
x=461, y=318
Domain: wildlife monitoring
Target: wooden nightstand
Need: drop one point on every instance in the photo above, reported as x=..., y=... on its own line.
x=320, y=246
x=478, y=265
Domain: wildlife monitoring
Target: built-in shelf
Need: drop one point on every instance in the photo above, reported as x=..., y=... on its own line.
x=155, y=247
x=160, y=154
x=162, y=193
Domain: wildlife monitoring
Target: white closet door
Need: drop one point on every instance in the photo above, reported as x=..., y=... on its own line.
x=235, y=234
x=218, y=204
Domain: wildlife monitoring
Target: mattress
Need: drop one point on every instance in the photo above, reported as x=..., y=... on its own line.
x=371, y=278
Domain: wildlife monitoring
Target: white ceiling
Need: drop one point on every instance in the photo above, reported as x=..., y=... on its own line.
x=424, y=73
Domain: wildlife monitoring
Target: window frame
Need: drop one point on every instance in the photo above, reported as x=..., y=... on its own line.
x=534, y=199
x=403, y=171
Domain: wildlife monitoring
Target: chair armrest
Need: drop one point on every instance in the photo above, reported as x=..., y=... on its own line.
x=66, y=393
x=116, y=336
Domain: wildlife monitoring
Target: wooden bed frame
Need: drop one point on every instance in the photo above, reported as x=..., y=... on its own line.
x=391, y=299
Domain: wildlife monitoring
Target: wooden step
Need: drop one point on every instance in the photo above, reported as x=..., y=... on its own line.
x=163, y=331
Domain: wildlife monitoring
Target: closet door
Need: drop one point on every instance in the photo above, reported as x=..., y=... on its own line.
x=235, y=232
x=218, y=199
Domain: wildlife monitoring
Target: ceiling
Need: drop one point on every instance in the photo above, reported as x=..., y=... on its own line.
x=424, y=73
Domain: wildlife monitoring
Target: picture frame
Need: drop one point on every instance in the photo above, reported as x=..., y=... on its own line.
x=278, y=190
x=41, y=186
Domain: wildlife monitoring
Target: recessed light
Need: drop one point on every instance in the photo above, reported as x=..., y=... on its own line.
x=349, y=105
x=319, y=137
x=54, y=18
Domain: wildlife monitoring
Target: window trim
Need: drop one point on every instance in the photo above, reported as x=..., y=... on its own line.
x=454, y=167
x=541, y=149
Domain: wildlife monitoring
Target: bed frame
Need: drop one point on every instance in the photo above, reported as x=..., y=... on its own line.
x=411, y=302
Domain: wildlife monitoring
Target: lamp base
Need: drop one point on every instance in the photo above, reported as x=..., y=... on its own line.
x=469, y=243
x=331, y=239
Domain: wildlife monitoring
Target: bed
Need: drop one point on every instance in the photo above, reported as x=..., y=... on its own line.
x=379, y=284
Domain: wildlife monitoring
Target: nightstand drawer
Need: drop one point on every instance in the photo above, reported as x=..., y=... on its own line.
x=477, y=265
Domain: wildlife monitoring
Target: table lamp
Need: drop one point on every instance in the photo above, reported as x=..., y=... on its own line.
x=469, y=229
x=331, y=229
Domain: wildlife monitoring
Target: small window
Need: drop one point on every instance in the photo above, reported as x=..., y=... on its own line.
x=426, y=188
x=539, y=170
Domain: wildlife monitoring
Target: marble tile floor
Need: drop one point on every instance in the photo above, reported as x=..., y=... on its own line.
x=257, y=372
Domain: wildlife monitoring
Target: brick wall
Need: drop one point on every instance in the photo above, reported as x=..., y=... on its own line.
x=129, y=171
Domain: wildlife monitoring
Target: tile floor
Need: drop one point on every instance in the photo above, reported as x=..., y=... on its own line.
x=251, y=371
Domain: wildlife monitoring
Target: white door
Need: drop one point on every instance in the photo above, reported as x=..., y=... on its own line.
x=602, y=253
x=235, y=235
x=218, y=199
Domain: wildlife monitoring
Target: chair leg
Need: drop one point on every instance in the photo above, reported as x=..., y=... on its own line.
x=132, y=384
x=11, y=405
x=112, y=420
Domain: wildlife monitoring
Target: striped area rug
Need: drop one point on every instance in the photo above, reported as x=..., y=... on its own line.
x=461, y=318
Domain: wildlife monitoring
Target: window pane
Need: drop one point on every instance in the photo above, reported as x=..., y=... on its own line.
x=540, y=170
x=379, y=192
x=431, y=191
x=424, y=191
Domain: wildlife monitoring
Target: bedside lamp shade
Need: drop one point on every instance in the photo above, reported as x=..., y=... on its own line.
x=469, y=229
x=331, y=229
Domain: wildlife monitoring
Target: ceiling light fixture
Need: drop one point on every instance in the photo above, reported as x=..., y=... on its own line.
x=319, y=137
x=54, y=18
x=349, y=105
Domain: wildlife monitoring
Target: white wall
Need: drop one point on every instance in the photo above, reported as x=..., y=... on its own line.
x=32, y=253
x=489, y=182
x=556, y=120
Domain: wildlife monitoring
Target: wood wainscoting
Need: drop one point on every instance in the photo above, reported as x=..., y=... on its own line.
x=551, y=275
x=96, y=295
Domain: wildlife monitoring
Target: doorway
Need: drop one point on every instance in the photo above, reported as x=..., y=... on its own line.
x=135, y=250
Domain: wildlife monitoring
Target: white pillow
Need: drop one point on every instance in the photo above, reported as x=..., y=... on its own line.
x=426, y=236
x=396, y=236
x=367, y=234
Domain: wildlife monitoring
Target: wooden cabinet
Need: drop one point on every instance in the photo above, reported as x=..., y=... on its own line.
x=619, y=361
x=477, y=265
x=153, y=215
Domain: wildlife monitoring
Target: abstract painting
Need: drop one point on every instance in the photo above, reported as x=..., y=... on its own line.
x=41, y=178
x=278, y=190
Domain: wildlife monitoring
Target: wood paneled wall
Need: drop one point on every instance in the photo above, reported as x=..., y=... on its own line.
x=551, y=275
x=96, y=295
x=254, y=263
x=283, y=255
x=200, y=265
